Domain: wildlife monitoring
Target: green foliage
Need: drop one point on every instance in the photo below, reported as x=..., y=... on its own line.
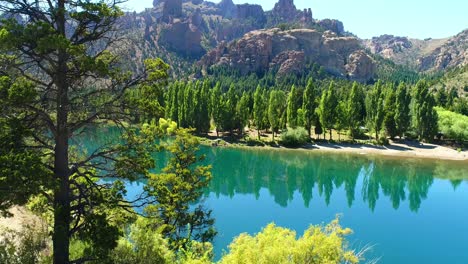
x=294, y=104
x=294, y=137
x=276, y=109
x=424, y=114
x=309, y=105
x=279, y=245
x=179, y=185
x=355, y=109
x=389, y=123
x=402, y=110
x=260, y=109
x=452, y=125
x=328, y=108
x=375, y=109
x=25, y=247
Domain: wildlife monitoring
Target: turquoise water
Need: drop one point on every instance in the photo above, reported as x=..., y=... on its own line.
x=409, y=210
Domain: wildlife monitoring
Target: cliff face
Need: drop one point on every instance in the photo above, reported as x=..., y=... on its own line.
x=453, y=53
x=422, y=55
x=261, y=50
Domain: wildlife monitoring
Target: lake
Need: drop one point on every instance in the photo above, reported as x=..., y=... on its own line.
x=409, y=210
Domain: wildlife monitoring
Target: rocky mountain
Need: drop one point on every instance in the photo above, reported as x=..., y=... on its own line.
x=288, y=50
x=422, y=55
x=188, y=33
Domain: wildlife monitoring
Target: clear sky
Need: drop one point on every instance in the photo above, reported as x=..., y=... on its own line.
x=367, y=18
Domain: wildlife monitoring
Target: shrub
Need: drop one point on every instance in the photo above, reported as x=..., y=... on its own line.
x=453, y=125
x=294, y=137
x=319, y=244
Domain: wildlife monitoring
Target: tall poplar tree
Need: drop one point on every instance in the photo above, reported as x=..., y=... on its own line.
x=424, y=114
x=375, y=109
x=309, y=105
x=402, y=110
x=276, y=108
x=328, y=108
x=260, y=110
x=293, y=106
x=355, y=109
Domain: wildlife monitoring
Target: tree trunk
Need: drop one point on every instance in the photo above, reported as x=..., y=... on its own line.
x=217, y=133
x=62, y=213
x=330, y=134
x=258, y=132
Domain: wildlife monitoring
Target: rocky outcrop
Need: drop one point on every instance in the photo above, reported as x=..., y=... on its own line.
x=332, y=25
x=452, y=53
x=360, y=66
x=171, y=9
x=388, y=45
x=228, y=8
x=261, y=50
x=285, y=10
x=289, y=62
x=197, y=2
x=248, y=11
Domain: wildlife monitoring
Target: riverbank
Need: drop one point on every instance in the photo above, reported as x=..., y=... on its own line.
x=408, y=149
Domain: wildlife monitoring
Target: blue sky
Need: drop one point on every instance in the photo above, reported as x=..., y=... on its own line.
x=367, y=18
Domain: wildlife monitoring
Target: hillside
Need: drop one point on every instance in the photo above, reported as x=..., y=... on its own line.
x=427, y=55
x=194, y=36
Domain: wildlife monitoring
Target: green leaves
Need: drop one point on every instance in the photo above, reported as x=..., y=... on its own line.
x=180, y=184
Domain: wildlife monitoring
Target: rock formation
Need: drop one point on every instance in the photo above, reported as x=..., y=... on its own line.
x=261, y=50
x=228, y=8
x=248, y=11
x=453, y=53
x=285, y=10
x=172, y=9
x=332, y=25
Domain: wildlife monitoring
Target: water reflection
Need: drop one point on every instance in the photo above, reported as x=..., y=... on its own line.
x=283, y=172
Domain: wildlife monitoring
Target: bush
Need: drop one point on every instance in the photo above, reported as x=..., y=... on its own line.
x=294, y=137
x=453, y=125
x=319, y=244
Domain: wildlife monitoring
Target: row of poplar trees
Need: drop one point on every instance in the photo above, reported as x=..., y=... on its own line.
x=386, y=110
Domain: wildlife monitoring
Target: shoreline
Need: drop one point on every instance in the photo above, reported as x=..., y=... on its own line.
x=397, y=150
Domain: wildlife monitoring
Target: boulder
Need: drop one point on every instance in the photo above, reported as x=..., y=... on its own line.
x=361, y=67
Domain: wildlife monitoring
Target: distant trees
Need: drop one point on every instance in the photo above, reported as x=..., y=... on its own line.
x=384, y=110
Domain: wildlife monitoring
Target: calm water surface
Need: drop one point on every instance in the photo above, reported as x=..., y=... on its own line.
x=410, y=210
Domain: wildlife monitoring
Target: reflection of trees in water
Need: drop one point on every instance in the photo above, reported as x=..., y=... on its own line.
x=283, y=173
